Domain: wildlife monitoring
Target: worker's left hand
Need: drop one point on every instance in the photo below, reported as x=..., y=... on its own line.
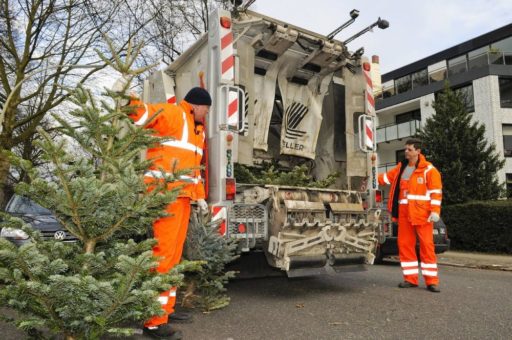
x=434, y=217
x=121, y=86
x=203, y=206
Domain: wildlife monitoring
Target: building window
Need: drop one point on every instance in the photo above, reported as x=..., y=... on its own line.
x=478, y=58
x=399, y=155
x=505, y=92
x=437, y=71
x=502, y=51
x=419, y=78
x=507, y=140
x=388, y=89
x=457, y=65
x=403, y=84
x=504, y=45
x=408, y=116
x=509, y=186
x=467, y=97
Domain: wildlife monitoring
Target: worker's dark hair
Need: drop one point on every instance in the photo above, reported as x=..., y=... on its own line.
x=418, y=144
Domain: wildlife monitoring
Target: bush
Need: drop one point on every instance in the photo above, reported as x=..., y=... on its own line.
x=484, y=226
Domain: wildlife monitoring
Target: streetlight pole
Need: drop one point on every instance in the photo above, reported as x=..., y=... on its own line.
x=30, y=75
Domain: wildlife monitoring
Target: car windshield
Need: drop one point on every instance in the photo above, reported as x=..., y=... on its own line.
x=24, y=205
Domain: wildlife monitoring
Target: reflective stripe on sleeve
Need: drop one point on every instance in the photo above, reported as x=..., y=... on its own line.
x=142, y=120
x=434, y=191
x=403, y=201
x=435, y=202
x=386, y=180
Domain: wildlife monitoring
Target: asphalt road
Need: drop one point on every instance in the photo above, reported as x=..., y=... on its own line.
x=473, y=304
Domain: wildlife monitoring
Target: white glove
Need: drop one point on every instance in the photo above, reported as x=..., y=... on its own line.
x=120, y=84
x=203, y=206
x=434, y=217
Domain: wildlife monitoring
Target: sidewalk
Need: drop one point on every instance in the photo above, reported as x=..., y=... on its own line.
x=457, y=258
x=475, y=260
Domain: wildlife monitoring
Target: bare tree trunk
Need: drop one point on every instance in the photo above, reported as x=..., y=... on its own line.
x=4, y=173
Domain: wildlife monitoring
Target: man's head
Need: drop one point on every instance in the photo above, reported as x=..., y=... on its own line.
x=412, y=150
x=200, y=101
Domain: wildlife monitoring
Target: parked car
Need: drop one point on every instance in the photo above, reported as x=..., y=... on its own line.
x=390, y=246
x=38, y=217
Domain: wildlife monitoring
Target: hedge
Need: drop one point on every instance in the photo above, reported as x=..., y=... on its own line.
x=480, y=226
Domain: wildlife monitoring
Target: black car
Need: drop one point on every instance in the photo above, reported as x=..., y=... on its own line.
x=390, y=246
x=38, y=217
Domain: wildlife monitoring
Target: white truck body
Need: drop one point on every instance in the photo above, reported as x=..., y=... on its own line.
x=284, y=94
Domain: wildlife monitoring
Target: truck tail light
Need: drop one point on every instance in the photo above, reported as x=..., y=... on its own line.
x=241, y=228
x=225, y=22
x=230, y=188
x=378, y=196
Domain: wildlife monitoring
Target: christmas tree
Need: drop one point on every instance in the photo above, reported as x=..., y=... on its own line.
x=455, y=143
x=96, y=191
x=206, y=288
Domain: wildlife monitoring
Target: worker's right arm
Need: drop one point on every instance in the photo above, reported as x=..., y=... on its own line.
x=389, y=177
x=144, y=116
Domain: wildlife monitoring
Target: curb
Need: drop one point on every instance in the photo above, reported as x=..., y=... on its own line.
x=497, y=267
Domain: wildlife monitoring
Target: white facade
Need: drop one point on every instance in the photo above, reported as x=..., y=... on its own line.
x=481, y=67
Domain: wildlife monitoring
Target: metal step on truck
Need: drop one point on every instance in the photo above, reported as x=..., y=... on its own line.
x=285, y=95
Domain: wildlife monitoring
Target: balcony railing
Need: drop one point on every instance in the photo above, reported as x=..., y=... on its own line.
x=392, y=132
x=440, y=74
x=383, y=168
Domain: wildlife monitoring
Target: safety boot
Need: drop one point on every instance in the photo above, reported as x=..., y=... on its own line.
x=164, y=331
x=406, y=284
x=181, y=317
x=434, y=288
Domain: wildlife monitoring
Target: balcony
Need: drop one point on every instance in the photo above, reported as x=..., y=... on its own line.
x=388, y=133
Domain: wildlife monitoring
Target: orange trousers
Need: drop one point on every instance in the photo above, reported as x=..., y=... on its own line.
x=407, y=234
x=170, y=232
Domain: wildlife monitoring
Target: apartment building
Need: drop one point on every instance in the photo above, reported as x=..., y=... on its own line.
x=481, y=68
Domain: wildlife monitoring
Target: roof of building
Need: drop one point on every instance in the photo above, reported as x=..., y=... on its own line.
x=454, y=51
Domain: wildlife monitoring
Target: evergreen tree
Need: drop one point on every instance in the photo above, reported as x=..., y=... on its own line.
x=206, y=288
x=89, y=288
x=455, y=143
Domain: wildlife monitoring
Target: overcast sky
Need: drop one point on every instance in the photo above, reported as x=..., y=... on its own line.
x=418, y=28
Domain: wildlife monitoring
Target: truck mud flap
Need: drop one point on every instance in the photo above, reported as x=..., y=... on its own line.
x=347, y=263
x=321, y=265
x=307, y=261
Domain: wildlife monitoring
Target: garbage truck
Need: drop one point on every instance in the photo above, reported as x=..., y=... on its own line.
x=285, y=95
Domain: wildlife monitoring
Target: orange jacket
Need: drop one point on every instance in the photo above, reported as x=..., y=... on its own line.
x=183, y=150
x=424, y=194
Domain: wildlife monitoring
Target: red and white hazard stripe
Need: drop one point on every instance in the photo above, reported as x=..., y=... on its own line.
x=370, y=101
x=220, y=214
x=368, y=127
x=369, y=107
x=227, y=59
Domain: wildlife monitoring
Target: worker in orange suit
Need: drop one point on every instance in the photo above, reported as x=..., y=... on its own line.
x=415, y=201
x=183, y=123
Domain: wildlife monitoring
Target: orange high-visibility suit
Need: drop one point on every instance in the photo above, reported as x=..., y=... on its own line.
x=183, y=151
x=412, y=201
